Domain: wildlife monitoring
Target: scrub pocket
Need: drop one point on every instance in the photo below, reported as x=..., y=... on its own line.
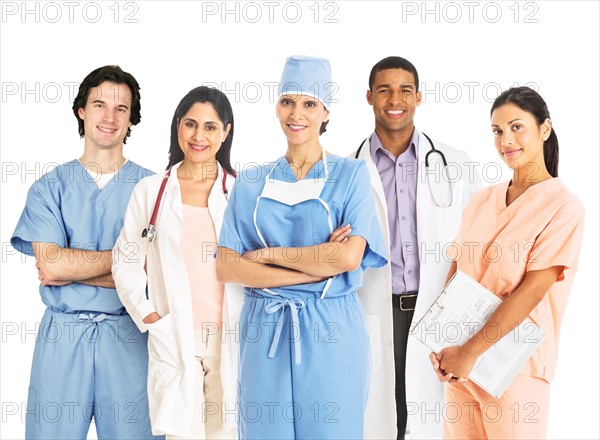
x=163, y=346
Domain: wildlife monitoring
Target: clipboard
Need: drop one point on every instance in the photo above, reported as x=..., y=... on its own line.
x=459, y=312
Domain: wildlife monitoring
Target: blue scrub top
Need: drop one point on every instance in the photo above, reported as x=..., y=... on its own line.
x=66, y=207
x=348, y=194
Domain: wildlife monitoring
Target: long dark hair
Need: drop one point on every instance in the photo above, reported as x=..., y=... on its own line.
x=530, y=101
x=115, y=75
x=223, y=108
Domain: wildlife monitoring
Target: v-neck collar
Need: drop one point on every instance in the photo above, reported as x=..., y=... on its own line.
x=92, y=186
x=528, y=194
x=283, y=170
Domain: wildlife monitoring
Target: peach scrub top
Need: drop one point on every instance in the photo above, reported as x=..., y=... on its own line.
x=498, y=244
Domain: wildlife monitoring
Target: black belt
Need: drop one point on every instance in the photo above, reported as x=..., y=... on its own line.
x=405, y=301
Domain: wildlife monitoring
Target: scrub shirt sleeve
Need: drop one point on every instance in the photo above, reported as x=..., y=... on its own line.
x=129, y=258
x=559, y=242
x=230, y=236
x=41, y=220
x=359, y=212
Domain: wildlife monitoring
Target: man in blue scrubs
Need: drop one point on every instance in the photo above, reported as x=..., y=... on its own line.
x=90, y=360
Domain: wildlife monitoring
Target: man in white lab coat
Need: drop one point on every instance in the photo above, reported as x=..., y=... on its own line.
x=419, y=203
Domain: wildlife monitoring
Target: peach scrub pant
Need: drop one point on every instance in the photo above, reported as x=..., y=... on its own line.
x=521, y=412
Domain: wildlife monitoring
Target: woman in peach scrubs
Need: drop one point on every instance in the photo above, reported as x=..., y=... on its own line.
x=521, y=240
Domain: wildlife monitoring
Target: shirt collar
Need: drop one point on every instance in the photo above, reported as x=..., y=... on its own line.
x=410, y=155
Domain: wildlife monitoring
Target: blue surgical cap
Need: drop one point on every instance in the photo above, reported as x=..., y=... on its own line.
x=307, y=76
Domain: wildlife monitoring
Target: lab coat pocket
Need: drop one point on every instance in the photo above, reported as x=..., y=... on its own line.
x=374, y=328
x=163, y=346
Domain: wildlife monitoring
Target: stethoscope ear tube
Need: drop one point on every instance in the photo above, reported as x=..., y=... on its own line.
x=433, y=150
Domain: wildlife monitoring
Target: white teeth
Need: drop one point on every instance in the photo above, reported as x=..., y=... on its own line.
x=395, y=112
x=296, y=127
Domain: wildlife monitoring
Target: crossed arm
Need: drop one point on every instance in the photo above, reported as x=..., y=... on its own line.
x=58, y=266
x=456, y=363
x=286, y=266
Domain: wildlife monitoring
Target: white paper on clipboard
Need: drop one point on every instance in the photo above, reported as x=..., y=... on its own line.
x=462, y=308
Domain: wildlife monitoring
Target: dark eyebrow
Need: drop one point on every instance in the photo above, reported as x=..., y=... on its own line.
x=518, y=119
x=101, y=101
x=206, y=122
x=389, y=86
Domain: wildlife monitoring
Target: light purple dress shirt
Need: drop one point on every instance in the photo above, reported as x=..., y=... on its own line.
x=399, y=179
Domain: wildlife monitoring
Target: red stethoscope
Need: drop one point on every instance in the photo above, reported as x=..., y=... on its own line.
x=150, y=231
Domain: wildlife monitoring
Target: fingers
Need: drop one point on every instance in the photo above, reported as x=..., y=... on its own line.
x=441, y=374
x=434, y=361
x=458, y=380
x=251, y=256
x=340, y=234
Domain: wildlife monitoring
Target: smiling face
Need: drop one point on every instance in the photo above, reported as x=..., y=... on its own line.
x=518, y=137
x=301, y=118
x=394, y=99
x=200, y=133
x=106, y=115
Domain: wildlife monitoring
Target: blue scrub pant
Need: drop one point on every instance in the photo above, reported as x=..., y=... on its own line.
x=88, y=365
x=324, y=395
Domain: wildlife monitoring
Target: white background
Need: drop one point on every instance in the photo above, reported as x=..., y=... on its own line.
x=465, y=53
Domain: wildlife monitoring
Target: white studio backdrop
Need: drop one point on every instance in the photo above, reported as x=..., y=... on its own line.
x=465, y=52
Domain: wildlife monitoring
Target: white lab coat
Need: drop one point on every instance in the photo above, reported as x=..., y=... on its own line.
x=171, y=365
x=435, y=228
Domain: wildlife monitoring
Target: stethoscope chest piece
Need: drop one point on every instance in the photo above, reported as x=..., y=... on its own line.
x=150, y=233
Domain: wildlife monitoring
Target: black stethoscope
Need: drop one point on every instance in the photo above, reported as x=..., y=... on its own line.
x=432, y=150
x=150, y=231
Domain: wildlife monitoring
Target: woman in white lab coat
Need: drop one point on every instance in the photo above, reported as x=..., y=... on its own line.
x=165, y=275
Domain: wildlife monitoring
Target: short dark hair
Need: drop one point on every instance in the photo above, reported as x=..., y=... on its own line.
x=223, y=108
x=115, y=75
x=394, y=63
x=530, y=101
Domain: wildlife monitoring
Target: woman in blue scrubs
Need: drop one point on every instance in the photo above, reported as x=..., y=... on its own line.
x=298, y=233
